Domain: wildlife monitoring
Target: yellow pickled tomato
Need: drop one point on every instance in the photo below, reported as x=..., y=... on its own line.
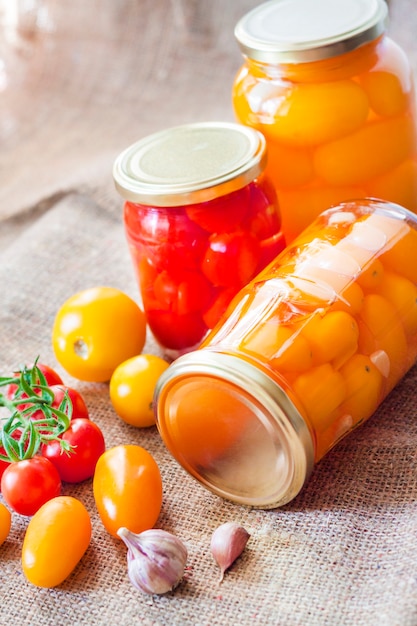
x=288, y=166
x=385, y=93
x=299, y=207
x=402, y=257
x=372, y=276
x=293, y=352
x=350, y=299
x=204, y=419
x=332, y=337
x=311, y=114
x=339, y=426
x=402, y=293
x=398, y=186
x=281, y=346
x=389, y=85
x=320, y=390
x=380, y=328
x=367, y=153
x=364, y=387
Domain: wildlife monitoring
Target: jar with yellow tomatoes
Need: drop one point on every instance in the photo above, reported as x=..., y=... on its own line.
x=305, y=353
x=201, y=220
x=334, y=97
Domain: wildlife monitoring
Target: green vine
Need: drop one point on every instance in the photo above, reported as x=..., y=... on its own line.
x=30, y=420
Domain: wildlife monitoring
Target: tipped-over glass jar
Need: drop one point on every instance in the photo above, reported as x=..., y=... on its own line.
x=304, y=354
x=201, y=221
x=334, y=97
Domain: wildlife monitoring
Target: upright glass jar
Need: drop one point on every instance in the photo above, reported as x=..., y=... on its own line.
x=334, y=97
x=201, y=220
x=304, y=354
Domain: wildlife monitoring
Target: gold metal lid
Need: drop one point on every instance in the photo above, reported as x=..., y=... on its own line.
x=189, y=164
x=300, y=31
x=233, y=429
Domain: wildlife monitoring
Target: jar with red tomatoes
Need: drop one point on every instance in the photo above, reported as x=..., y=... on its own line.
x=333, y=95
x=201, y=220
x=306, y=353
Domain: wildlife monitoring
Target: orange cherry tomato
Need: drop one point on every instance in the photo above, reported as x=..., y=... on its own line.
x=127, y=488
x=56, y=538
x=5, y=522
x=132, y=388
x=95, y=330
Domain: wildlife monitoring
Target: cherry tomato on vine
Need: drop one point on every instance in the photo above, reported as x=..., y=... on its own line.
x=95, y=330
x=79, y=407
x=28, y=484
x=127, y=488
x=132, y=387
x=5, y=522
x=88, y=445
x=56, y=538
x=51, y=376
x=3, y=464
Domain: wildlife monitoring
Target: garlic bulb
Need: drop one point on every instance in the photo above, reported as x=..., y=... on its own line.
x=155, y=559
x=227, y=543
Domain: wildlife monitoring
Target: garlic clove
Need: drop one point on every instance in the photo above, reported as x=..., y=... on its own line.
x=227, y=543
x=155, y=559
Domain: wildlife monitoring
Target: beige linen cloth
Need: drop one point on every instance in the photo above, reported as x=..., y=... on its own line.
x=93, y=78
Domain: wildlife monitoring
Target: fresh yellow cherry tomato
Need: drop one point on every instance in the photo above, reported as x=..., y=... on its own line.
x=132, y=388
x=95, y=330
x=56, y=538
x=5, y=522
x=127, y=488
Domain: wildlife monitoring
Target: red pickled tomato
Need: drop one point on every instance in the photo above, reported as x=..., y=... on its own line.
x=218, y=306
x=176, y=332
x=231, y=259
x=263, y=218
x=270, y=248
x=188, y=293
x=221, y=215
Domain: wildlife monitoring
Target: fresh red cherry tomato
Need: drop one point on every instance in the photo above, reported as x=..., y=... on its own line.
x=231, y=259
x=3, y=464
x=28, y=484
x=79, y=407
x=51, y=376
x=88, y=445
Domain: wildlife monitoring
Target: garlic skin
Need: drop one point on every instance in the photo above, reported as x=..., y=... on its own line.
x=227, y=543
x=155, y=559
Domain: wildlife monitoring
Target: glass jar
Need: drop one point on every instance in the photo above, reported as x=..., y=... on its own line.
x=201, y=220
x=334, y=97
x=304, y=354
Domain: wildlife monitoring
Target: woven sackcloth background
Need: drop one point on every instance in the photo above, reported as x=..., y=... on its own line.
x=80, y=81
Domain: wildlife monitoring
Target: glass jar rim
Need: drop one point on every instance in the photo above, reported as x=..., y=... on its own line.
x=268, y=407
x=301, y=31
x=190, y=163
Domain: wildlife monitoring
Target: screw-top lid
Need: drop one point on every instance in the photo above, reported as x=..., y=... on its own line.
x=233, y=429
x=300, y=31
x=189, y=164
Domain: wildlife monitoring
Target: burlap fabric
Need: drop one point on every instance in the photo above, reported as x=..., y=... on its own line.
x=344, y=552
